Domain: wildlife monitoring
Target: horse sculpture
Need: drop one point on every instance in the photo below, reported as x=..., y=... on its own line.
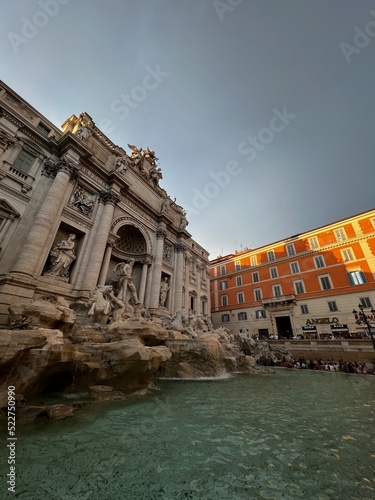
x=100, y=303
x=180, y=321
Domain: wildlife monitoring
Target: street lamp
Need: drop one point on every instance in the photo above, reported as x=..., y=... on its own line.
x=361, y=318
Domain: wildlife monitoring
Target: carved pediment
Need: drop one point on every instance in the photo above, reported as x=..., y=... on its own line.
x=7, y=211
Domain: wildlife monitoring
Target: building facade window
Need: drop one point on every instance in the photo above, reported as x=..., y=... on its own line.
x=277, y=291
x=192, y=303
x=299, y=287
x=290, y=250
x=255, y=277
x=365, y=301
x=24, y=161
x=273, y=272
x=258, y=294
x=319, y=262
x=314, y=243
x=304, y=309
x=237, y=266
x=242, y=316
x=223, y=285
x=254, y=260
x=222, y=270
x=356, y=277
x=332, y=306
x=271, y=256
x=43, y=128
x=347, y=254
x=238, y=280
x=260, y=313
x=224, y=300
x=294, y=267
x=325, y=282
x=240, y=298
x=225, y=318
x=340, y=234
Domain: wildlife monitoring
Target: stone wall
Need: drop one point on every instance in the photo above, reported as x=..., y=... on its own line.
x=348, y=350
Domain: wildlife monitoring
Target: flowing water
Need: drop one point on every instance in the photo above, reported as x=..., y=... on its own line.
x=289, y=435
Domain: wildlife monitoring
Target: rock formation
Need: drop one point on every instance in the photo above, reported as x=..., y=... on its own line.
x=67, y=350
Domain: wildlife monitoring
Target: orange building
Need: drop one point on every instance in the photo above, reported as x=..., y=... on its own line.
x=304, y=286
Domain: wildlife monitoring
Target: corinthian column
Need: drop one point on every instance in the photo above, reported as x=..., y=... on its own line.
x=142, y=287
x=199, y=274
x=187, y=282
x=156, y=269
x=106, y=262
x=109, y=199
x=180, y=250
x=48, y=213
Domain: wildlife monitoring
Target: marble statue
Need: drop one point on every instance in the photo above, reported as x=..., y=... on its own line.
x=184, y=222
x=165, y=204
x=155, y=175
x=150, y=156
x=121, y=164
x=164, y=288
x=124, y=270
x=100, y=304
x=62, y=255
x=136, y=155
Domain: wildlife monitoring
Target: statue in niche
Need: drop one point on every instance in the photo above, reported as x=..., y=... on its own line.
x=164, y=288
x=124, y=270
x=84, y=203
x=61, y=256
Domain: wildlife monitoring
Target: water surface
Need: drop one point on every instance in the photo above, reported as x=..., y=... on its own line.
x=289, y=435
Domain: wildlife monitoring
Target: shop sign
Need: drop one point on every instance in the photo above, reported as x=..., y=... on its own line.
x=309, y=328
x=321, y=321
x=339, y=326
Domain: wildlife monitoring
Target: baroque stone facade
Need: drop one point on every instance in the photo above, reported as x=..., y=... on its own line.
x=73, y=206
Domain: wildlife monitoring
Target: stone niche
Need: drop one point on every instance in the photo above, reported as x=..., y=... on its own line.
x=57, y=263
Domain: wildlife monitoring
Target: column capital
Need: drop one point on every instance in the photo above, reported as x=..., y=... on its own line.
x=147, y=261
x=51, y=168
x=109, y=196
x=161, y=233
x=179, y=248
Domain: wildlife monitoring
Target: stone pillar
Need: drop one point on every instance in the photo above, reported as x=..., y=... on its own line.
x=105, y=264
x=199, y=276
x=48, y=213
x=187, y=282
x=157, y=267
x=180, y=250
x=109, y=198
x=142, y=287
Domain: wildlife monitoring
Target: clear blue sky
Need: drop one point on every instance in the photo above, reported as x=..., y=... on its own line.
x=221, y=75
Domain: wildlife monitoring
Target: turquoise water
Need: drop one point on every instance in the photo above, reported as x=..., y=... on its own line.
x=290, y=435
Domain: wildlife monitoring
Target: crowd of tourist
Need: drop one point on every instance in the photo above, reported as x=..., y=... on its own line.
x=324, y=365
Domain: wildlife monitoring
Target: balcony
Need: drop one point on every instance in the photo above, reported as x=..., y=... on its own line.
x=282, y=300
